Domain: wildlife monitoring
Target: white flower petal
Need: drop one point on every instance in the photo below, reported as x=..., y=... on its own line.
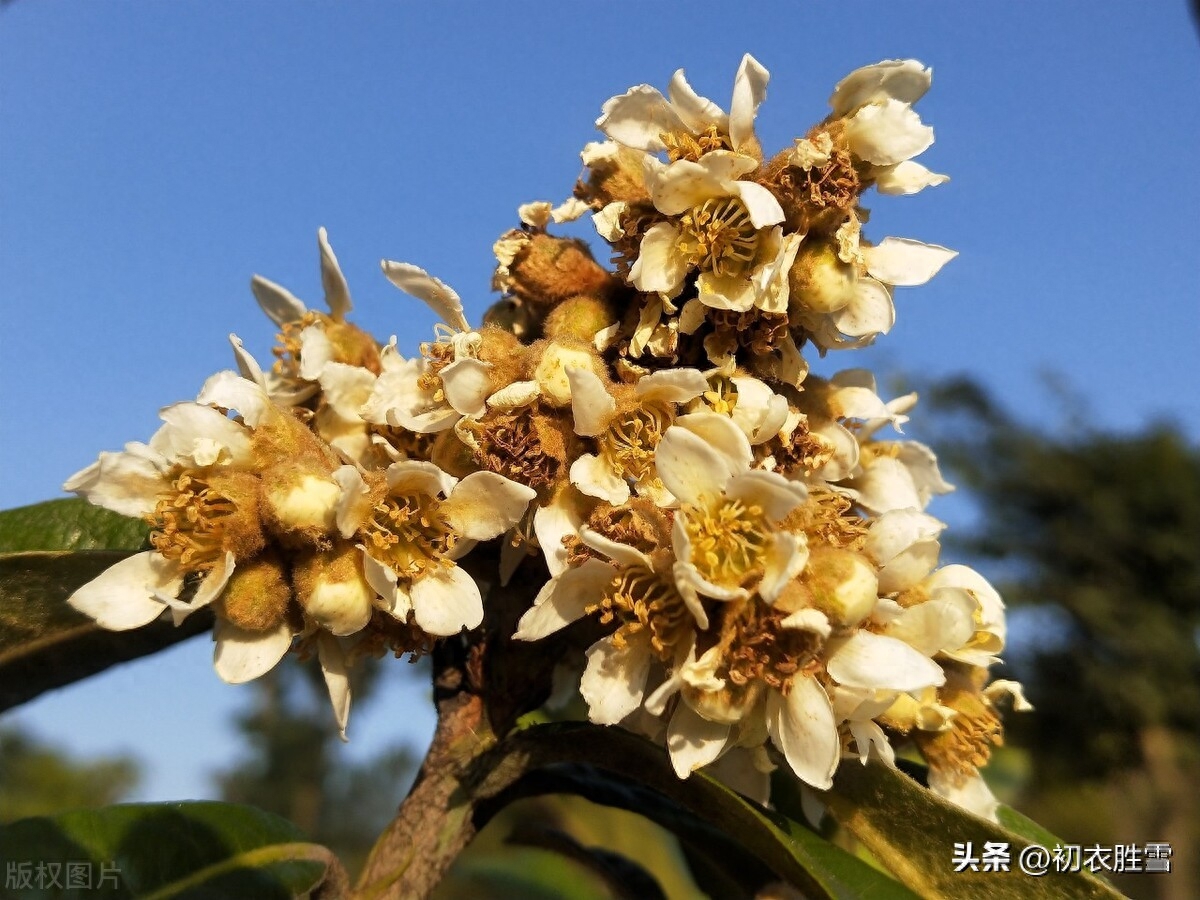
x=905, y=262
x=280, y=305
x=970, y=793
x=638, y=118
x=445, y=601
x=562, y=516
x=906, y=178
x=316, y=351
x=902, y=79
x=484, y=505
x=785, y=559
x=337, y=679
x=242, y=656
x=659, y=266
x=591, y=404
x=415, y=476
x=777, y=496
x=870, y=312
x=230, y=390
x=749, y=91
x=943, y=622
x=802, y=726
x=621, y=554
x=213, y=583
x=693, y=741
x=515, y=395
x=467, y=383
x=564, y=599
x=614, y=680
x=697, y=113
x=689, y=467
x=383, y=580
x=128, y=483
x=723, y=435
x=672, y=385
x=125, y=595
x=337, y=292
x=440, y=296
x=764, y=209
x=248, y=366
x=887, y=133
x=594, y=476
x=867, y=660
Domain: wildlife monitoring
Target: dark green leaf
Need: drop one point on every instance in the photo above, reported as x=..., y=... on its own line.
x=912, y=832
x=613, y=767
x=69, y=525
x=158, y=851
x=45, y=644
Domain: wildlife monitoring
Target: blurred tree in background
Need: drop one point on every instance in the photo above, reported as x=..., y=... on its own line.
x=295, y=766
x=1096, y=539
x=37, y=779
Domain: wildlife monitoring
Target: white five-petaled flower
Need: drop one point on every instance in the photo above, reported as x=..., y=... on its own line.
x=435, y=392
x=414, y=525
x=195, y=482
x=720, y=226
x=643, y=119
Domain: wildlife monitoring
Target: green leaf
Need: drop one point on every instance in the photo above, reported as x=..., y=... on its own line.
x=69, y=525
x=160, y=851
x=45, y=644
x=912, y=832
x=750, y=844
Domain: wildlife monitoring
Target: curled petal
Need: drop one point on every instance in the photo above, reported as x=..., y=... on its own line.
x=337, y=679
x=440, y=297
x=230, y=390
x=749, y=91
x=337, y=292
x=887, y=133
x=659, y=267
x=467, y=384
x=870, y=312
x=280, y=305
x=697, y=113
x=638, y=118
x=900, y=79
x=591, y=405
x=594, y=476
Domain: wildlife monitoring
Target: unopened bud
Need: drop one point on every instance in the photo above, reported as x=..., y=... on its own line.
x=579, y=318
x=299, y=502
x=257, y=595
x=331, y=587
x=819, y=281
x=546, y=270
x=551, y=370
x=844, y=585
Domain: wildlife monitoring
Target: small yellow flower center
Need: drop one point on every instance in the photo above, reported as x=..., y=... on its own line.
x=641, y=599
x=410, y=534
x=684, y=145
x=729, y=539
x=718, y=236
x=189, y=524
x=632, y=436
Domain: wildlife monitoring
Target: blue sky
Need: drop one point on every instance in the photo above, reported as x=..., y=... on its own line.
x=153, y=156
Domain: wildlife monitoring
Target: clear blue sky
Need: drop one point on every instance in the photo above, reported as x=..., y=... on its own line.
x=153, y=156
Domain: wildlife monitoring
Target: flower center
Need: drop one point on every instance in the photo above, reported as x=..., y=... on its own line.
x=410, y=534
x=189, y=525
x=684, y=145
x=632, y=436
x=967, y=744
x=757, y=648
x=729, y=539
x=640, y=599
x=718, y=236
x=512, y=445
